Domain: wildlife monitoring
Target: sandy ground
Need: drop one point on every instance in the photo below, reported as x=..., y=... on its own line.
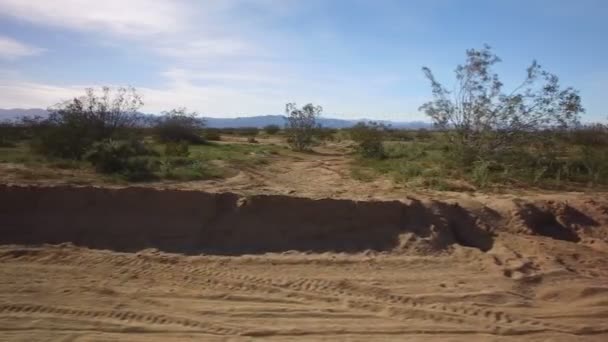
x=544, y=277
x=66, y=293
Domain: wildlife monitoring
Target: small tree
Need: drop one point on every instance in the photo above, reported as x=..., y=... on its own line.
x=369, y=136
x=180, y=125
x=73, y=126
x=301, y=125
x=483, y=118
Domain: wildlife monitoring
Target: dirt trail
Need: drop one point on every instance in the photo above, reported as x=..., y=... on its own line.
x=325, y=173
x=277, y=267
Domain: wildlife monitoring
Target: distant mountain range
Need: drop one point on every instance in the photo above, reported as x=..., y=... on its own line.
x=265, y=120
x=246, y=121
x=10, y=114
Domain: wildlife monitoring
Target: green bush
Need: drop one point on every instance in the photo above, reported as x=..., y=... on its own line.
x=129, y=158
x=177, y=149
x=595, y=162
x=409, y=151
x=10, y=134
x=369, y=137
x=61, y=141
x=325, y=134
x=178, y=125
x=139, y=169
x=399, y=134
x=72, y=127
x=272, y=129
x=481, y=173
x=592, y=135
x=409, y=170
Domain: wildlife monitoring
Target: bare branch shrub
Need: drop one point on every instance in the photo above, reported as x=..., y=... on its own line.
x=180, y=125
x=301, y=125
x=484, y=119
x=73, y=126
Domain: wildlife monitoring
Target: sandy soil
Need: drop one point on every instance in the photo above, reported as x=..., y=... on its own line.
x=73, y=294
x=424, y=270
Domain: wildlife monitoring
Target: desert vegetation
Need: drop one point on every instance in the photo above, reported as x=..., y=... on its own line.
x=484, y=136
x=104, y=131
x=301, y=125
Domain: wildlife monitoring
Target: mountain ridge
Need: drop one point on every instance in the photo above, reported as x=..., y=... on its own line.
x=237, y=122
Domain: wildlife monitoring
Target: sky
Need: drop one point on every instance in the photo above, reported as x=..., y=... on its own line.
x=227, y=58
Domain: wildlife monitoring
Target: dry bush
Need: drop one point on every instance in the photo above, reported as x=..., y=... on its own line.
x=369, y=138
x=481, y=117
x=301, y=125
x=180, y=125
x=73, y=126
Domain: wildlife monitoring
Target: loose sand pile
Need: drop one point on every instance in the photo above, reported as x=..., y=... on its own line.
x=143, y=264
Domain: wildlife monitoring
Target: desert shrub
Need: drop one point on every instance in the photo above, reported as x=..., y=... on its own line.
x=73, y=126
x=590, y=135
x=399, y=134
x=595, y=162
x=179, y=125
x=247, y=131
x=112, y=156
x=139, y=169
x=369, y=137
x=408, y=151
x=228, y=130
x=10, y=134
x=409, y=170
x=324, y=133
x=212, y=134
x=423, y=134
x=301, y=125
x=484, y=119
x=481, y=173
x=177, y=149
x=272, y=129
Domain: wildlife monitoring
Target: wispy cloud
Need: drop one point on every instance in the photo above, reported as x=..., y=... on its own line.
x=206, y=48
x=133, y=17
x=224, y=57
x=226, y=94
x=11, y=49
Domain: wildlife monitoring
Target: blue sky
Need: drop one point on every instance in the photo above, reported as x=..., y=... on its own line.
x=230, y=58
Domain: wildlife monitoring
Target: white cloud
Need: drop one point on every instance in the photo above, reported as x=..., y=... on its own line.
x=225, y=94
x=180, y=29
x=220, y=57
x=206, y=48
x=132, y=17
x=12, y=49
x=19, y=94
